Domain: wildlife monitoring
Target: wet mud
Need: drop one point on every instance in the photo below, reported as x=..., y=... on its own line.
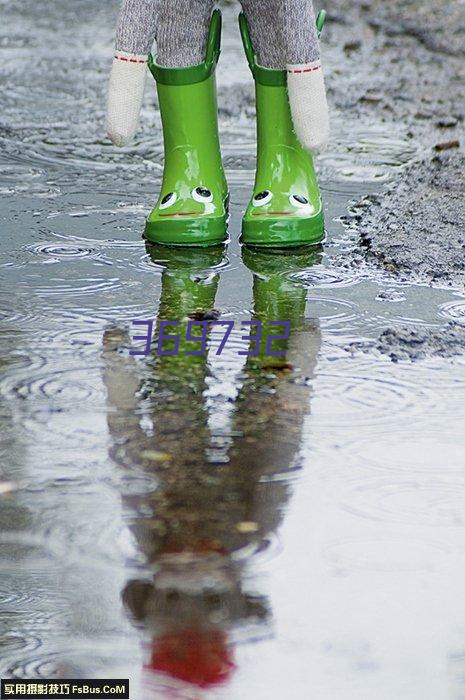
x=405, y=66
x=411, y=74
x=418, y=228
x=416, y=343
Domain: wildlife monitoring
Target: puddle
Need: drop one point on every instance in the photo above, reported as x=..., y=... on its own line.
x=283, y=517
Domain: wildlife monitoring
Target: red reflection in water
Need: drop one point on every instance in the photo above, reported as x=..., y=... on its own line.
x=200, y=657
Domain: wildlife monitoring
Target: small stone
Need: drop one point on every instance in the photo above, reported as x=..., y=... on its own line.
x=423, y=114
x=352, y=46
x=209, y=315
x=371, y=98
x=447, y=123
x=447, y=145
x=279, y=366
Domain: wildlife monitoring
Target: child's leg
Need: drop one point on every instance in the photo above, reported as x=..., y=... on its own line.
x=182, y=29
x=263, y=17
x=298, y=25
x=182, y=32
x=282, y=31
x=284, y=36
x=136, y=27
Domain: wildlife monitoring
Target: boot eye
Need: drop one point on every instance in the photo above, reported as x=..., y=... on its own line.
x=262, y=198
x=202, y=194
x=298, y=200
x=168, y=200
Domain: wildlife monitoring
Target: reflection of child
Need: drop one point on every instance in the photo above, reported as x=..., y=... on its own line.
x=283, y=33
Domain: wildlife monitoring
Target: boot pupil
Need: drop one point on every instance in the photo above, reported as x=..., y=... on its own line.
x=261, y=195
x=203, y=192
x=300, y=198
x=167, y=198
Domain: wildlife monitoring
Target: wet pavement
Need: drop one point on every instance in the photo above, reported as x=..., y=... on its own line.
x=298, y=521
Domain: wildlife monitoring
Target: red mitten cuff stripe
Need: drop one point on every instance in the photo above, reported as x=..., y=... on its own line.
x=131, y=60
x=304, y=70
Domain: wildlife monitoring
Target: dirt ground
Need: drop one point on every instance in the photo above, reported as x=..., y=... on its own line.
x=405, y=64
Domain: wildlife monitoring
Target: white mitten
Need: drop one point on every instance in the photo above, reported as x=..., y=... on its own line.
x=125, y=94
x=134, y=38
x=309, y=107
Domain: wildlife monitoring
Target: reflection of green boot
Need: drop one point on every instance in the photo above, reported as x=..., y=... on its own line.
x=286, y=209
x=189, y=284
x=189, y=281
x=192, y=207
x=278, y=296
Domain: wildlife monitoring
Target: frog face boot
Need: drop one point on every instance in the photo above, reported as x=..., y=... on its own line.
x=193, y=202
x=286, y=207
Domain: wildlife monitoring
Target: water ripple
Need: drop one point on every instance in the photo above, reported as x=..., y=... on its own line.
x=453, y=310
x=56, y=388
x=60, y=287
x=62, y=252
x=432, y=502
x=367, y=396
x=386, y=554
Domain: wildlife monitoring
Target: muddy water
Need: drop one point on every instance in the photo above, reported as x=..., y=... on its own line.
x=322, y=495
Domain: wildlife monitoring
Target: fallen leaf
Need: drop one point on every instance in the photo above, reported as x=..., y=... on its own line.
x=246, y=527
x=155, y=456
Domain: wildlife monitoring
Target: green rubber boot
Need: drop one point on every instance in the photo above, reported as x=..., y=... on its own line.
x=286, y=208
x=192, y=207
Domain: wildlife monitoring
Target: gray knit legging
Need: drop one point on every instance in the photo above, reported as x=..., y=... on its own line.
x=283, y=31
